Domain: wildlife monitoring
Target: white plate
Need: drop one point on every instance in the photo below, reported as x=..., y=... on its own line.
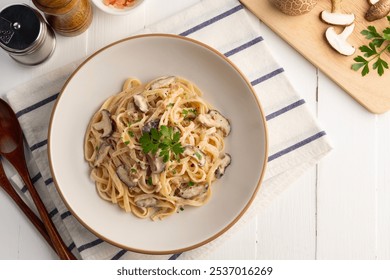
x=115, y=11
x=148, y=57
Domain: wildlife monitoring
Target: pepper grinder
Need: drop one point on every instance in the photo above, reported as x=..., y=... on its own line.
x=66, y=17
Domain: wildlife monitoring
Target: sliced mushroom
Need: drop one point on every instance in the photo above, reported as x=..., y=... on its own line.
x=336, y=16
x=146, y=202
x=102, y=153
x=105, y=124
x=150, y=124
x=225, y=162
x=156, y=163
x=188, y=192
x=141, y=103
x=162, y=82
x=195, y=153
x=215, y=119
x=339, y=41
x=124, y=176
x=378, y=10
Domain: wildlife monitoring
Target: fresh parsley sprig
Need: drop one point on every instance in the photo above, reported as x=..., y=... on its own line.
x=164, y=140
x=380, y=43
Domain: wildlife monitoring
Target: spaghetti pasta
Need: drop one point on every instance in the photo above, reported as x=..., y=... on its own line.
x=156, y=148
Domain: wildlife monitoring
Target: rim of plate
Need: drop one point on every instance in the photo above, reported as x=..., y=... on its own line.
x=218, y=233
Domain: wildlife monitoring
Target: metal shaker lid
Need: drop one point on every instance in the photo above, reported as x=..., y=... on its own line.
x=20, y=28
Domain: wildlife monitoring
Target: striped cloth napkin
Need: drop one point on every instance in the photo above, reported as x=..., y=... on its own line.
x=296, y=141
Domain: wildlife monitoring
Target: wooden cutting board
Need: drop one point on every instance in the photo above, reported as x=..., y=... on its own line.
x=306, y=33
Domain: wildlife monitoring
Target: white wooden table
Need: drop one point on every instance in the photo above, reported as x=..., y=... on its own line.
x=339, y=209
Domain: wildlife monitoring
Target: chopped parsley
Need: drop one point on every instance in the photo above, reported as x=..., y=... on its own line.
x=165, y=140
x=190, y=113
x=190, y=183
x=198, y=155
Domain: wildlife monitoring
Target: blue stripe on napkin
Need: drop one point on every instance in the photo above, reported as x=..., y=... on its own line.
x=297, y=145
x=212, y=20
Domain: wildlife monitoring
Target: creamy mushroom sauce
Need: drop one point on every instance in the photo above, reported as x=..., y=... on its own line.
x=154, y=149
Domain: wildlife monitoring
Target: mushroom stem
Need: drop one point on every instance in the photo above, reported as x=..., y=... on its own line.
x=336, y=6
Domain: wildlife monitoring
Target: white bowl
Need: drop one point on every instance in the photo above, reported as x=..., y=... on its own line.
x=115, y=11
x=147, y=57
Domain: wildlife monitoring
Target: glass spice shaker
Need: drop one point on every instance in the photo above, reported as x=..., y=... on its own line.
x=67, y=17
x=25, y=34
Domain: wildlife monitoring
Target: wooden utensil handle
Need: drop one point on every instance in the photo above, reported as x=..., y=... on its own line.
x=24, y=207
x=55, y=237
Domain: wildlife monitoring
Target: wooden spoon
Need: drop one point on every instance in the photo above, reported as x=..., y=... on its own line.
x=9, y=189
x=12, y=149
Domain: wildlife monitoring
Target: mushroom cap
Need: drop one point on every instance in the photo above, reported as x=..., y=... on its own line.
x=294, y=7
x=378, y=10
x=337, y=18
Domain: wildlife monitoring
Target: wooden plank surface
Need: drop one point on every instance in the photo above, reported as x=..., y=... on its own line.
x=306, y=34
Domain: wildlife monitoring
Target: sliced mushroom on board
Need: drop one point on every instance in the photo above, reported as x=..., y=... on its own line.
x=339, y=41
x=336, y=15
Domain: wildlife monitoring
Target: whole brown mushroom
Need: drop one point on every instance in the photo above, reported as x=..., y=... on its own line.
x=294, y=7
x=379, y=10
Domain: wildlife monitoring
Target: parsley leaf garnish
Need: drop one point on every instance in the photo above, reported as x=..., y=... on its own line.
x=380, y=43
x=189, y=114
x=164, y=140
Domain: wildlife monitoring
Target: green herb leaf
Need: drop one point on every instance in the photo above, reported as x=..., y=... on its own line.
x=380, y=65
x=370, y=33
x=164, y=140
x=373, y=50
x=365, y=70
x=198, y=155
